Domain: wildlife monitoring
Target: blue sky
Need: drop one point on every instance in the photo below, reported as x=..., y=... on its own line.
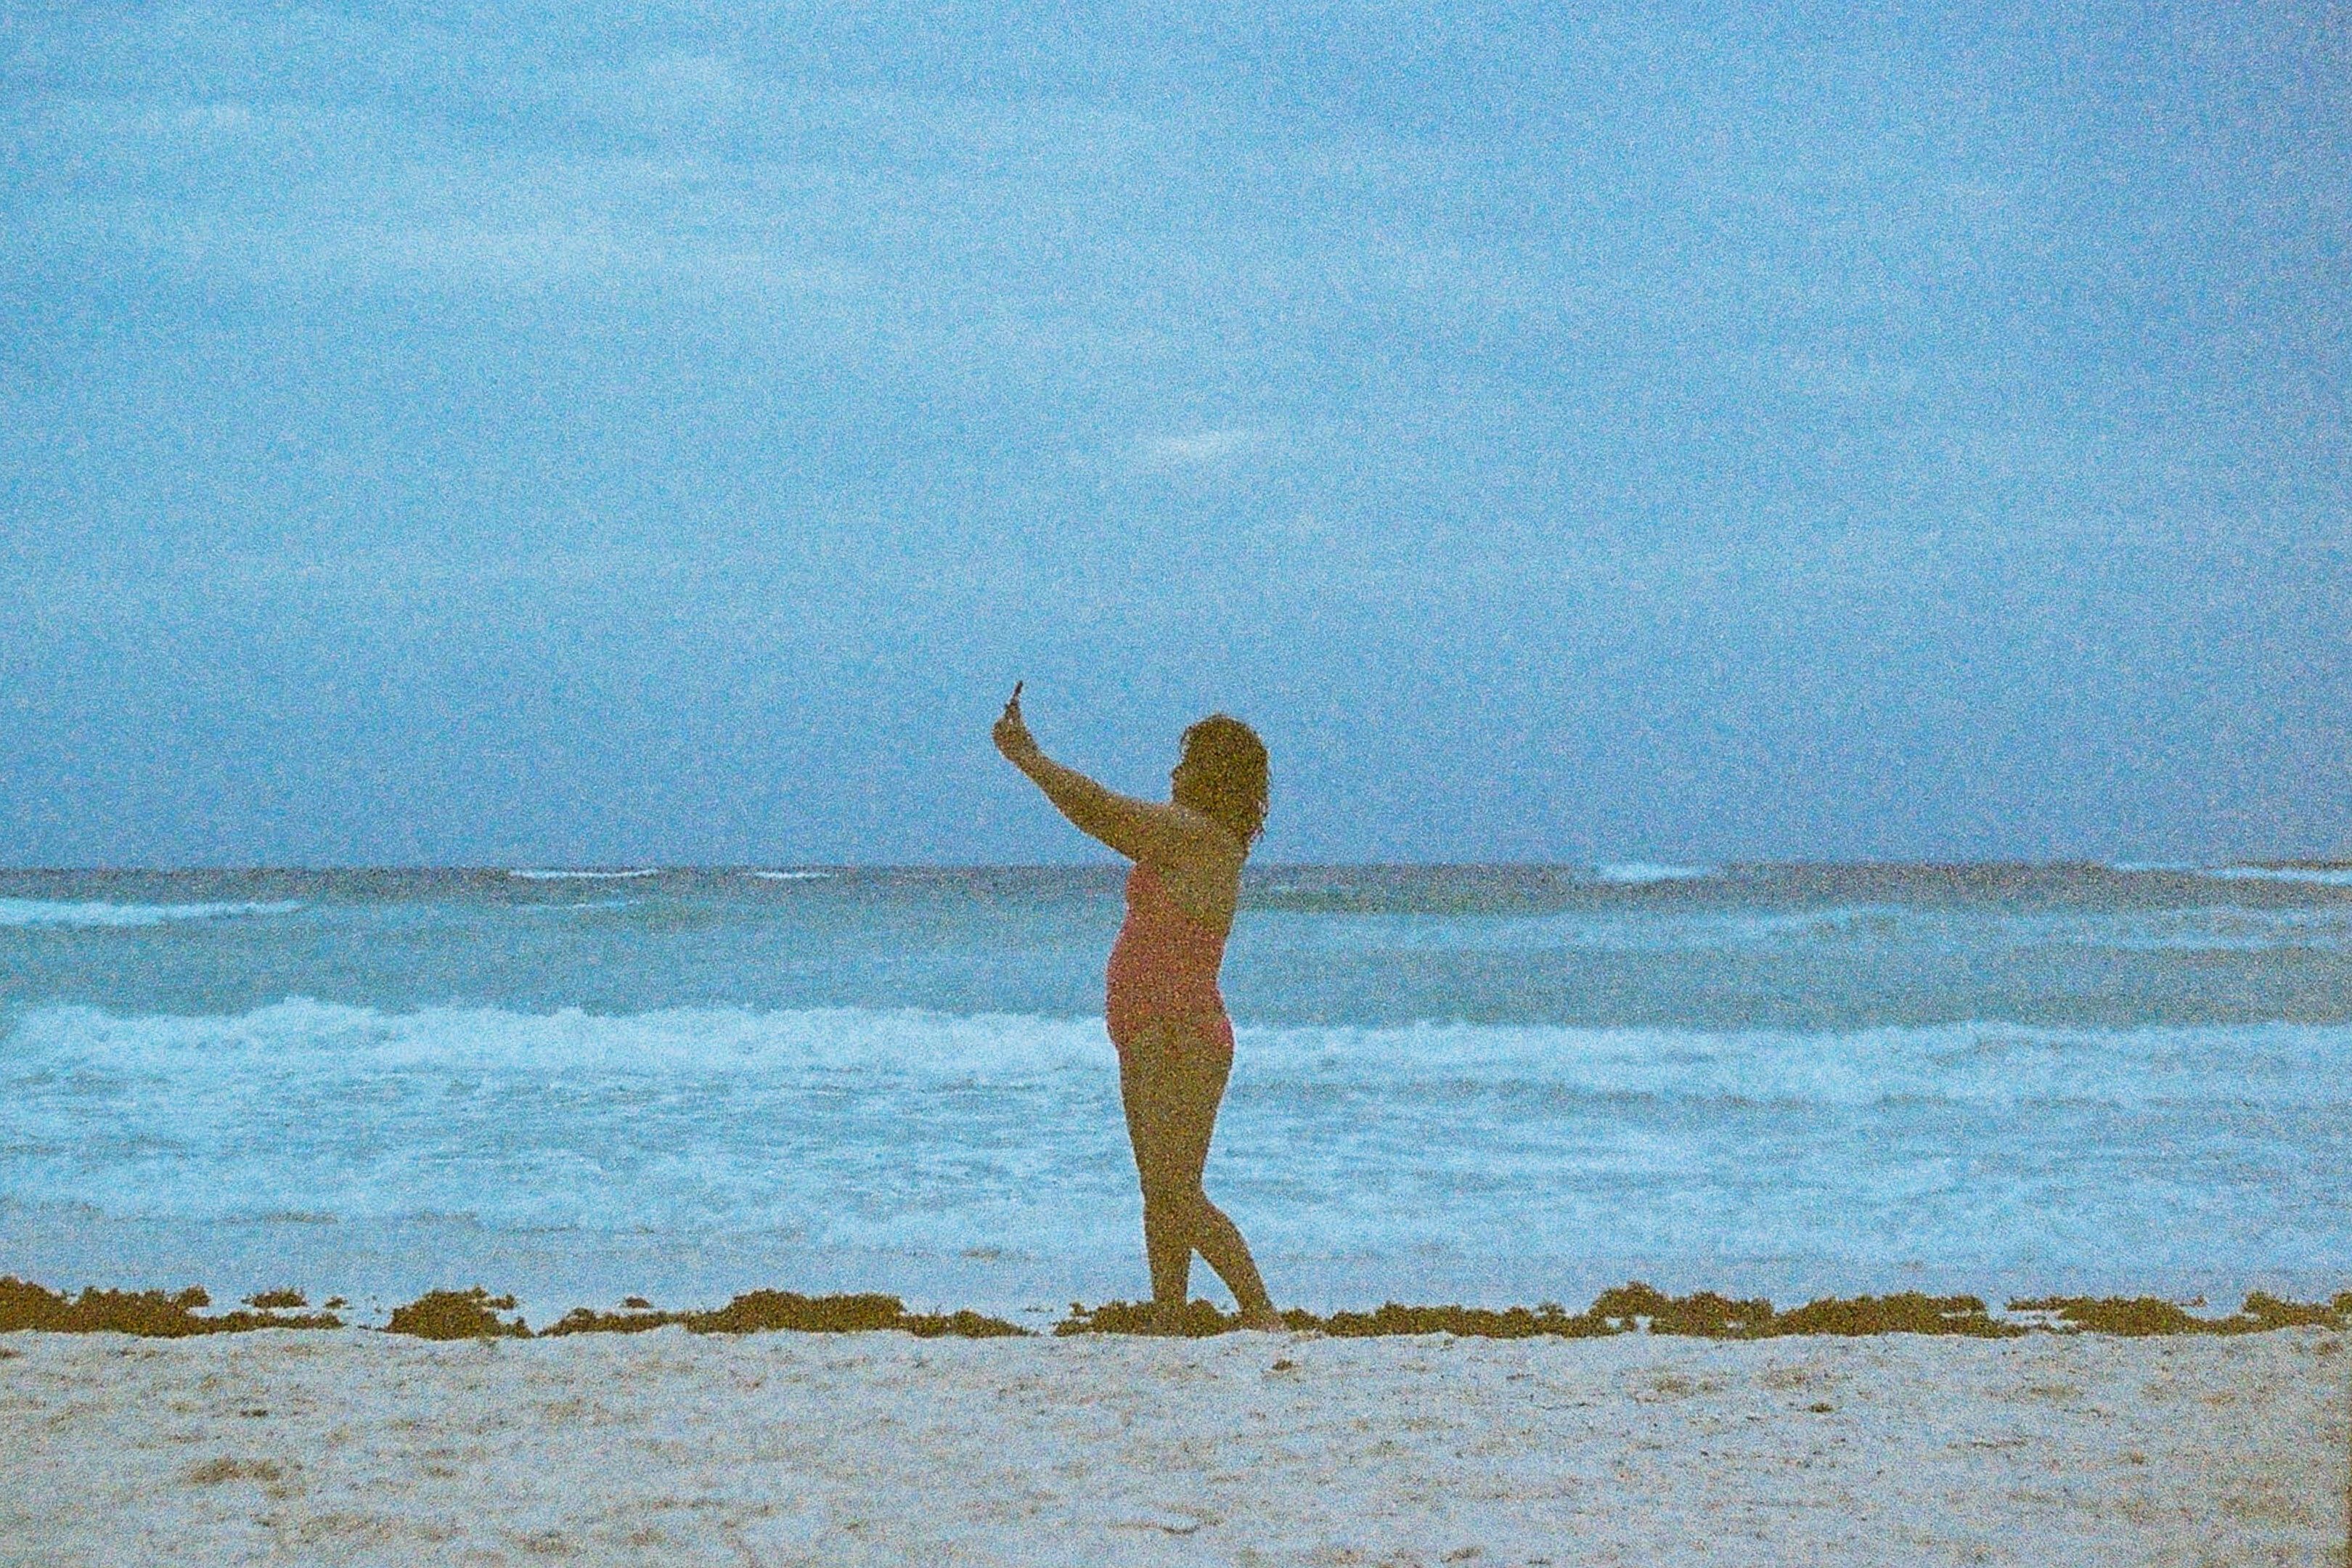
x=480, y=434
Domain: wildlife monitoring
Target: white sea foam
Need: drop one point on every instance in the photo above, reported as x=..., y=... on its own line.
x=792, y=876
x=1633, y=873
x=305, y=1040
x=2323, y=876
x=839, y=1049
x=890, y=1128
x=2204, y=928
x=91, y=913
x=570, y=876
x=1988, y=1064
x=878, y=1124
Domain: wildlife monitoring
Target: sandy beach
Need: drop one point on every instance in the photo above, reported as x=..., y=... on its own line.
x=353, y=1446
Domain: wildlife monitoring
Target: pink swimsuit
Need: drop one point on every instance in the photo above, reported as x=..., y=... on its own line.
x=1163, y=965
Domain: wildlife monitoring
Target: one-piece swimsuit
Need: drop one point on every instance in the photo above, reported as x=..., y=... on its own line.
x=1164, y=966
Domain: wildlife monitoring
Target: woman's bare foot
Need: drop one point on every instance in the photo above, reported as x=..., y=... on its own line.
x=1265, y=1319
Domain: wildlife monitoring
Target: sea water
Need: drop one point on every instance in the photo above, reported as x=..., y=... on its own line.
x=1450, y=1083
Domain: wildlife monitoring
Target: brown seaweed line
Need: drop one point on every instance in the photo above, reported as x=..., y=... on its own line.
x=475, y=1314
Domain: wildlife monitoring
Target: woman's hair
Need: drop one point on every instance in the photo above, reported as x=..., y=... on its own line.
x=1228, y=783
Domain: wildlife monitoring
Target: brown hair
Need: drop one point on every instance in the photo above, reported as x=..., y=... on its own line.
x=1230, y=784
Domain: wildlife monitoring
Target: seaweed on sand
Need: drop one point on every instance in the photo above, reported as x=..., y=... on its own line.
x=760, y=1312
x=1703, y=1312
x=1623, y=1308
x=1708, y=1315
x=1908, y=1312
x=1549, y=1320
x=473, y=1314
x=963, y=1323
x=588, y=1321
x=755, y=1310
x=2140, y=1316
x=149, y=1313
x=457, y=1315
x=1196, y=1322
x=1199, y=1320
x=2274, y=1313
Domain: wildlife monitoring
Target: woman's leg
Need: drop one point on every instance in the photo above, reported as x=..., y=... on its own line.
x=1172, y=1081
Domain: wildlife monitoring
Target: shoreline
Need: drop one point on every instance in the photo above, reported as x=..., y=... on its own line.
x=380, y=1264
x=1634, y=1308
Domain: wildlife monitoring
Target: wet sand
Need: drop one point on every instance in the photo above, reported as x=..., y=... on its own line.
x=351, y=1447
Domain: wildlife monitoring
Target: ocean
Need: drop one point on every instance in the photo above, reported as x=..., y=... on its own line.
x=1451, y=1083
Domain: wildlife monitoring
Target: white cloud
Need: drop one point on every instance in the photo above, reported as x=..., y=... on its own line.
x=1197, y=448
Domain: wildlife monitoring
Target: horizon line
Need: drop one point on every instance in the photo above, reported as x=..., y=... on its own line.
x=1661, y=870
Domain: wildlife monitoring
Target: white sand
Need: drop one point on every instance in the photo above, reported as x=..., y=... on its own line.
x=673, y=1448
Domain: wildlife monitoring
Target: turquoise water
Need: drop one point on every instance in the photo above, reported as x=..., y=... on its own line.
x=1453, y=1082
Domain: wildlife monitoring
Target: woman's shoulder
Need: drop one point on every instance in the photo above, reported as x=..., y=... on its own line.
x=1210, y=842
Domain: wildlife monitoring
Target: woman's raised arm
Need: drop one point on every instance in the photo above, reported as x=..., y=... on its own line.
x=1157, y=833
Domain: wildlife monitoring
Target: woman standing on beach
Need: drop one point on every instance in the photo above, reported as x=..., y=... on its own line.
x=1166, y=1015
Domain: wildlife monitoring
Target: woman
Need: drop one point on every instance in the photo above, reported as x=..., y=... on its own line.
x=1166, y=1016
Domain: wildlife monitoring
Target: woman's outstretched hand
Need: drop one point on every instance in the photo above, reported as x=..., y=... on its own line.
x=1012, y=733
